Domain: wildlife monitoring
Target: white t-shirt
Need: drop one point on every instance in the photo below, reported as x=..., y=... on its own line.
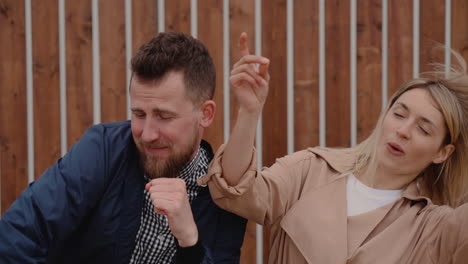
x=362, y=198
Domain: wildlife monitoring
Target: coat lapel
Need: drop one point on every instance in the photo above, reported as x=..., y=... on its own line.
x=317, y=223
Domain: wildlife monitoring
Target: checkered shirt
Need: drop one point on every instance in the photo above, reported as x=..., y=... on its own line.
x=154, y=241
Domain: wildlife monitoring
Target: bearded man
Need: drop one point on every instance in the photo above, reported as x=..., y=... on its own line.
x=127, y=192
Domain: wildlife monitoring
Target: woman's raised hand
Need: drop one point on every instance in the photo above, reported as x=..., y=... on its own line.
x=249, y=78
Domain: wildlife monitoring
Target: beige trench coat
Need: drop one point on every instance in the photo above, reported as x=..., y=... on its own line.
x=302, y=198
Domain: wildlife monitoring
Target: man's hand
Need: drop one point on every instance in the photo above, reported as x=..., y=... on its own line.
x=249, y=82
x=169, y=196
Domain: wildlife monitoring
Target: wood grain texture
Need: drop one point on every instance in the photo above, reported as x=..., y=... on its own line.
x=242, y=19
x=45, y=50
x=210, y=32
x=459, y=25
x=178, y=16
x=79, y=68
x=400, y=43
x=306, y=74
x=13, y=133
x=144, y=22
x=112, y=60
x=369, y=66
x=274, y=113
x=432, y=33
x=337, y=73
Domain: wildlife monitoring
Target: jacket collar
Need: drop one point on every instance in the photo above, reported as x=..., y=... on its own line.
x=326, y=207
x=318, y=222
x=342, y=161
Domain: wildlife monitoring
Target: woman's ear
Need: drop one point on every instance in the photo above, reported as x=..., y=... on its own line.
x=208, y=110
x=444, y=153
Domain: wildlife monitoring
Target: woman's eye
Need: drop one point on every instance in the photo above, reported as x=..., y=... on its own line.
x=424, y=131
x=398, y=114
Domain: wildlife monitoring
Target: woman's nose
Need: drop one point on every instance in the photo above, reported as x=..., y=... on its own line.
x=403, y=131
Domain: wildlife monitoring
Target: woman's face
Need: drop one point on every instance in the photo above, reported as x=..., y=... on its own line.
x=412, y=135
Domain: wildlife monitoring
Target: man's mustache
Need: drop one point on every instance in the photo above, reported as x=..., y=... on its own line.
x=156, y=144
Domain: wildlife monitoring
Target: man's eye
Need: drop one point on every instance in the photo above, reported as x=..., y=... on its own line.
x=139, y=115
x=165, y=117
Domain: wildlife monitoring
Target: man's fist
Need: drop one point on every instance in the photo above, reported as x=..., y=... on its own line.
x=169, y=196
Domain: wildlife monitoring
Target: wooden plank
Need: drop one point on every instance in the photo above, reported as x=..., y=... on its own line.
x=274, y=114
x=112, y=60
x=337, y=78
x=46, y=84
x=306, y=74
x=13, y=134
x=144, y=22
x=78, y=27
x=400, y=43
x=177, y=15
x=210, y=32
x=242, y=19
x=460, y=27
x=432, y=33
x=369, y=66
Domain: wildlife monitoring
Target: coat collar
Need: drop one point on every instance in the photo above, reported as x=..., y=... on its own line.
x=342, y=161
x=326, y=207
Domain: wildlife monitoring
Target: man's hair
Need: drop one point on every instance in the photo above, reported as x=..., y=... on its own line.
x=174, y=51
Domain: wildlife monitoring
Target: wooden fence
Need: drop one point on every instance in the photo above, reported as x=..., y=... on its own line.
x=334, y=63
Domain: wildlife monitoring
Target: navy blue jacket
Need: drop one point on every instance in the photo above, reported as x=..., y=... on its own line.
x=86, y=208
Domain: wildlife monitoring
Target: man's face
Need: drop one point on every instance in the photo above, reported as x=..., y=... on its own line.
x=165, y=124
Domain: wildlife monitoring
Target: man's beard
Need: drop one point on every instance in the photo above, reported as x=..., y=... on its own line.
x=172, y=166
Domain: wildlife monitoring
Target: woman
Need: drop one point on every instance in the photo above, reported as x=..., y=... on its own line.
x=390, y=199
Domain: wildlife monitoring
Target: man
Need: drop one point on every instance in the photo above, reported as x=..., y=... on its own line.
x=126, y=192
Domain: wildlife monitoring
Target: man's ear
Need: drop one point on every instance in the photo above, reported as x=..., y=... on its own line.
x=208, y=110
x=444, y=153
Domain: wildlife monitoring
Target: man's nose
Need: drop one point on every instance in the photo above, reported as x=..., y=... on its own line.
x=151, y=131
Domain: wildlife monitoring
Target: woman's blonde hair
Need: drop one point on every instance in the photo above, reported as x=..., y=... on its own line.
x=445, y=183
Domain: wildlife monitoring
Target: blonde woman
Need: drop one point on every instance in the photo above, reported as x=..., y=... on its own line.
x=395, y=198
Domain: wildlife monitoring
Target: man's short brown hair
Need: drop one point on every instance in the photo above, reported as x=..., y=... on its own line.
x=174, y=51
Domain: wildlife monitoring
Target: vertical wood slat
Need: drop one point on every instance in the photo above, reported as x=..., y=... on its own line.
x=79, y=68
x=210, y=30
x=13, y=138
x=400, y=43
x=112, y=60
x=432, y=28
x=144, y=22
x=306, y=93
x=337, y=73
x=46, y=84
x=242, y=19
x=369, y=66
x=274, y=113
x=13, y=154
x=178, y=16
x=459, y=26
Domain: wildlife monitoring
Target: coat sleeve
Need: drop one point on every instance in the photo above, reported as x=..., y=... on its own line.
x=451, y=243
x=262, y=196
x=49, y=210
